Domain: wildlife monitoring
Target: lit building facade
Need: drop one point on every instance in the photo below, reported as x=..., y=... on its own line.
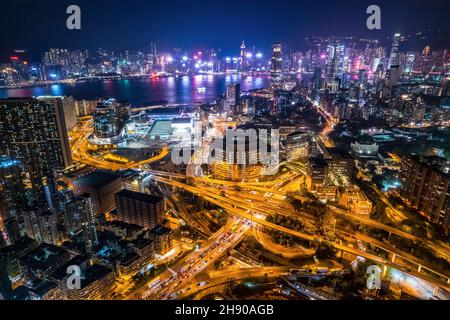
x=138, y=208
x=34, y=132
x=276, y=67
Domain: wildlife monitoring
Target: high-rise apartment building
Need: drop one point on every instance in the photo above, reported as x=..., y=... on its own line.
x=41, y=225
x=426, y=187
x=34, y=132
x=12, y=188
x=79, y=217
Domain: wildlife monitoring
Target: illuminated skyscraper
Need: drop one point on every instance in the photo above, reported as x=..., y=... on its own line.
x=409, y=67
x=109, y=120
x=242, y=57
x=335, y=62
x=317, y=78
x=393, y=59
x=276, y=62
x=233, y=95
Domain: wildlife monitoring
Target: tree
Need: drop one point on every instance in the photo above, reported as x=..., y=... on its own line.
x=325, y=250
x=296, y=204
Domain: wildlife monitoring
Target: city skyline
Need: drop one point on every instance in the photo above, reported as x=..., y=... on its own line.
x=261, y=171
x=302, y=21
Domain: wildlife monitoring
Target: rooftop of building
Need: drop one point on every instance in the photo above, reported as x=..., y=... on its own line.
x=94, y=273
x=317, y=162
x=165, y=111
x=97, y=179
x=337, y=153
x=61, y=273
x=181, y=120
x=41, y=287
x=141, y=242
x=129, y=258
x=43, y=257
x=122, y=225
x=21, y=246
x=7, y=162
x=432, y=162
x=142, y=197
x=160, y=230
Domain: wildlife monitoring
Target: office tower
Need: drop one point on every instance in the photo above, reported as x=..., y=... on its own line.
x=317, y=172
x=393, y=58
x=154, y=55
x=340, y=167
x=101, y=186
x=426, y=187
x=409, y=66
x=392, y=76
x=242, y=57
x=317, y=78
x=74, y=214
x=34, y=132
x=233, y=95
x=335, y=62
x=138, y=208
x=109, y=120
x=276, y=62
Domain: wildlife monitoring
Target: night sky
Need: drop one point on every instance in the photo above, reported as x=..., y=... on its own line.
x=196, y=24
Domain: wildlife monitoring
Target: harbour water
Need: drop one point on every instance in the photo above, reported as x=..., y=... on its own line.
x=187, y=89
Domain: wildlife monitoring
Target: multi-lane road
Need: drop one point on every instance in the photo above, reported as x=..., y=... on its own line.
x=252, y=206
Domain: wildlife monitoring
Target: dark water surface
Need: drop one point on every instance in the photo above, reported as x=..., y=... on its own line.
x=141, y=91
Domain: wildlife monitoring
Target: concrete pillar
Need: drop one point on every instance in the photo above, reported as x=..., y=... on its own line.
x=435, y=291
x=393, y=258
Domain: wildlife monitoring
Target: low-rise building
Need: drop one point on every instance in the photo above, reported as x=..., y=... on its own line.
x=97, y=282
x=162, y=238
x=356, y=201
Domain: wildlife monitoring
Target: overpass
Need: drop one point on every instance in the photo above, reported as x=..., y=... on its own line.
x=241, y=210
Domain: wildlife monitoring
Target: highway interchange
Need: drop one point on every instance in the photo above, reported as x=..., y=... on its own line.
x=250, y=204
